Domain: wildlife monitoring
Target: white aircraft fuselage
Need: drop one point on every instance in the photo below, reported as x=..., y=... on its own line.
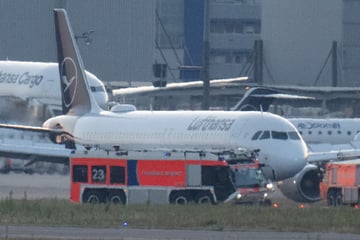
x=40, y=80
x=327, y=130
x=84, y=122
x=192, y=130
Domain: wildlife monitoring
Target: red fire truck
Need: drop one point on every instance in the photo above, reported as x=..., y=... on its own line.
x=251, y=184
x=341, y=183
x=150, y=177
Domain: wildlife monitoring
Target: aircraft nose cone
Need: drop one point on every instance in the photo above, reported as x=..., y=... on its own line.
x=298, y=163
x=288, y=163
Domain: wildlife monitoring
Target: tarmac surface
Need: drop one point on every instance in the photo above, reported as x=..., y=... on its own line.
x=34, y=232
x=19, y=186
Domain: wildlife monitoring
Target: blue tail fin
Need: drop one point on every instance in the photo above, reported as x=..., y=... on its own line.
x=76, y=96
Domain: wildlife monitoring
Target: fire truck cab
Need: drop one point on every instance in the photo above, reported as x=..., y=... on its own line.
x=341, y=183
x=251, y=184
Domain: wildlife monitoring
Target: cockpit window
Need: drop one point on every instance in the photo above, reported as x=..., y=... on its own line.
x=260, y=135
x=294, y=135
x=265, y=135
x=279, y=135
x=256, y=135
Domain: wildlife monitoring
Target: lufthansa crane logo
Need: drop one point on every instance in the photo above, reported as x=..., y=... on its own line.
x=69, y=76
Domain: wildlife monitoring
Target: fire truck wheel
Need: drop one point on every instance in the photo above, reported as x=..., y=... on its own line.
x=117, y=197
x=265, y=203
x=331, y=198
x=338, y=199
x=179, y=198
x=204, y=198
x=92, y=197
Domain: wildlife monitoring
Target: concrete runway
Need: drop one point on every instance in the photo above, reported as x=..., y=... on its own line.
x=57, y=186
x=34, y=186
x=35, y=232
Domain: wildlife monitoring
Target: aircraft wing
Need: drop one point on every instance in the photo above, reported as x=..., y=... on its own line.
x=260, y=98
x=176, y=86
x=31, y=143
x=36, y=151
x=35, y=129
x=334, y=155
x=281, y=96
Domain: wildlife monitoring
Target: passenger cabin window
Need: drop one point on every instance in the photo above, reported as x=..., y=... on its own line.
x=265, y=135
x=80, y=173
x=98, y=174
x=117, y=175
x=279, y=135
x=256, y=135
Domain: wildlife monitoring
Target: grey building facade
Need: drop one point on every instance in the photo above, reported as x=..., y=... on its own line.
x=121, y=40
x=119, y=47
x=298, y=37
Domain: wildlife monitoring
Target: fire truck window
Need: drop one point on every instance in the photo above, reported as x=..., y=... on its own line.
x=98, y=174
x=80, y=173
x=117, y=175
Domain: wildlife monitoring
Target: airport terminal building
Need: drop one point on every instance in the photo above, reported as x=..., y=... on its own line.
x=126, y=42
x=132, y=43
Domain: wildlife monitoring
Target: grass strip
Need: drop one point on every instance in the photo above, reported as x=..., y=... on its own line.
x=54, y=212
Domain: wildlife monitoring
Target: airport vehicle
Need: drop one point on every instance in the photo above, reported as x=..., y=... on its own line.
x=250, y=181
x=341, y=183
x=159, y=177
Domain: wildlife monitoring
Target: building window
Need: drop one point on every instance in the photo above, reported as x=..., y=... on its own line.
x=237, y=26
x=229, y=56
x=249, y=28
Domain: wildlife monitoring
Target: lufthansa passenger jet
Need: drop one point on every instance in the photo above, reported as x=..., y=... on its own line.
x=85, y=123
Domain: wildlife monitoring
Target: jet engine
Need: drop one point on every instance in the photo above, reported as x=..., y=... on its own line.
x=59, y=136
x=304, y=186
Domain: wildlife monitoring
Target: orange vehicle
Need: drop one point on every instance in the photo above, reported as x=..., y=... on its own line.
x=150, y=177
x=341, y=183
